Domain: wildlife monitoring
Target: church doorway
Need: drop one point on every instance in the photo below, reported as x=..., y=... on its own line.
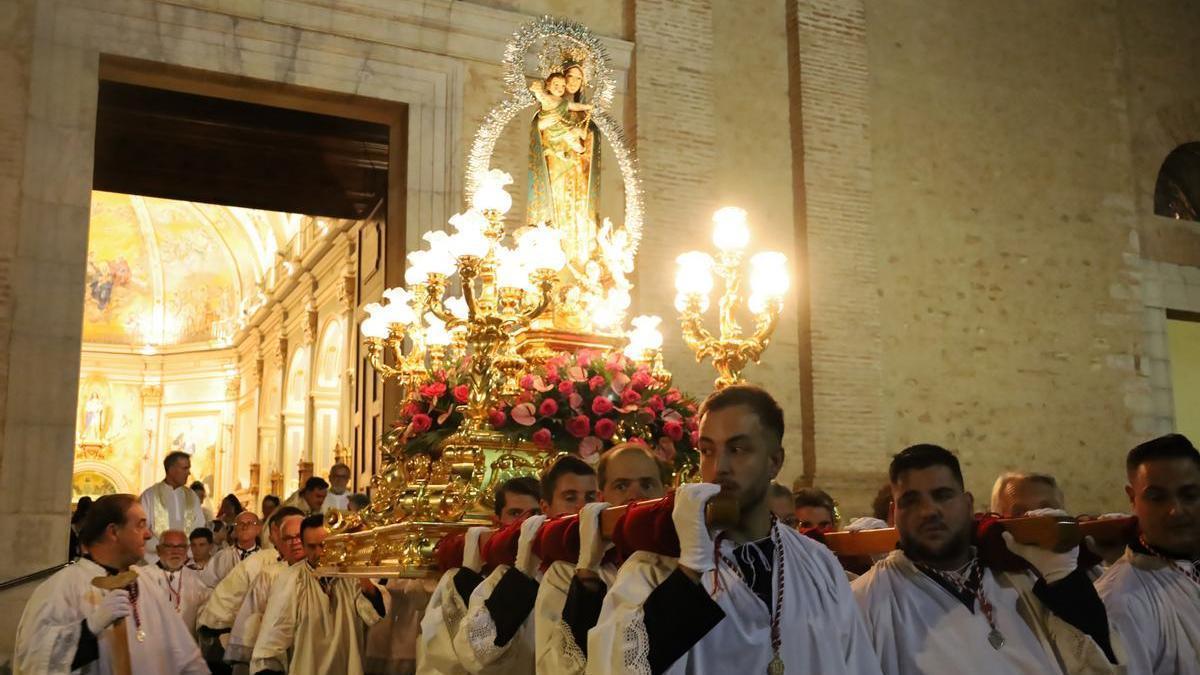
x=236, y=228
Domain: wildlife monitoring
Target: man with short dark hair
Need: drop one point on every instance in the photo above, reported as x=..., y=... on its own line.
x=316, y=624
x=756, y=597
x=933, y=605
x=499, y=635
x=311, y=498
x=1153, y=592
x=201, y=541
x=516, y=497
x=68, y=616
x=357, y=502
x=814, y=508
x=269, y=504
x=571, y=592
x=171, y=504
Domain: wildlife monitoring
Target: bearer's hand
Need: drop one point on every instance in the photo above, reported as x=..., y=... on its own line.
x=591, y=545
x=369, y=589
x=527, y=562
x=472, y=557
x=1051, y=565
x=695, y=543
x=114, y=606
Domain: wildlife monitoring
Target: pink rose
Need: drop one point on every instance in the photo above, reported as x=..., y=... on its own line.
x=673, y=397
x=641, y=379
x=615, y=363
x=589, y=449
x=630, y=397
x=543, y=439
x=461, y=393
x=421, y=423
x=605, y=428
x=434, y=390
x=656, y=403
x=548, y=408
x=596, y=383
x=601, y=405
x=553, y=379
x=579, y=426
x=497, y=418
x=527, y=382
x=696, y=438
x=565, y=388
x=674, y=430
x=584, y=357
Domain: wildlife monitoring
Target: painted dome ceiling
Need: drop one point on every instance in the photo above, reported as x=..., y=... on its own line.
x=162, y=272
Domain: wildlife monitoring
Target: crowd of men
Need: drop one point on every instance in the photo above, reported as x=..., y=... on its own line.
x=670, y=588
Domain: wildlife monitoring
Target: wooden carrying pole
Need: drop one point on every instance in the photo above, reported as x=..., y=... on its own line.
x=119, y=637
x=1045, y=531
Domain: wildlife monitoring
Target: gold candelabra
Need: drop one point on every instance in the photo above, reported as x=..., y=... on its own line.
x=731, y=351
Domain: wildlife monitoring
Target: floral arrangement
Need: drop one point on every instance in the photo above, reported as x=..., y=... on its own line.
x=582, y=403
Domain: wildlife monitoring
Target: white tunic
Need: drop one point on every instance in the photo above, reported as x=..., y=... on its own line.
x=1157, y=610
x=917, y=626
x=475, y=642
x=334, y=501
x=554, y=644
x=222, y=563
x=53, y=618
x=226, y=599
x=183, y=588
x=306, y=631
x=247, y=623
x=822, y=629
x=439, y=625
x=169, y=508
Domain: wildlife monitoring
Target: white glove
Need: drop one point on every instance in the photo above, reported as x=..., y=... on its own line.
x=527, y=563
x=866, y=523
x=472, y=558
x=1051, y=565
x=114, y=606
x=591, y=545
x=695, y=543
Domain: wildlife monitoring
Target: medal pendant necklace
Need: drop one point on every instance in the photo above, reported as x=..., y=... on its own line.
x=972, y=585
x=137, y=619
x=776, y=666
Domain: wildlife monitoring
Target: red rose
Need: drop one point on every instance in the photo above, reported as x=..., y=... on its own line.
x=673, y=430
x=497, y=418
x=605, y=428
x=421, y=423
x=641, y=379
x=433, y=390
x=630, y=397
x=543, y=439
x=552, y=379
x=656, y=403
x=673, y=396
x=548, y=408
x=565, y=388
x=579, y=426
x=597, y=382
x=696, y=439
x=461, y=393
x=527, y=382
x=413, y=409
x=601, y=405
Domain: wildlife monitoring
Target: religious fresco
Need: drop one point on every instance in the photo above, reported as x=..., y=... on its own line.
x=91, y=484
x=109, y=426
x=198, y=435
x=159, y=273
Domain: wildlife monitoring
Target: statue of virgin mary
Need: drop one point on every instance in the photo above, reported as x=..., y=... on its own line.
x=564, y=188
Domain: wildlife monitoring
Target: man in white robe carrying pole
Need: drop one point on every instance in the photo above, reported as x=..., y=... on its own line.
x=766, y=600
x=171, y=504
x=186, y=592
x=1153, y=591
x=570, y=595
x=316, y=624
x=70, y=625
x=215, y=621
x=935, y=606
x=496, y=636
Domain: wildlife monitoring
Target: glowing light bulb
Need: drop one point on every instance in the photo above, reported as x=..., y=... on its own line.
x=694, y=273
x=730, y=232
x=490, y=194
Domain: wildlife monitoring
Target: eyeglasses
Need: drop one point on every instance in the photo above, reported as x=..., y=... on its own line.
x=253, y=523
x=181, y=546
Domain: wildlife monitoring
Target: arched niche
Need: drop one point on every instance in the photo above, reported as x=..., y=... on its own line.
x=1177, y=188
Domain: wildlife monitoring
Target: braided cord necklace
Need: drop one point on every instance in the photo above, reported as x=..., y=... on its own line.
x=137, y=618
x=776, y=666
x=970, y=582
x=1190, y=571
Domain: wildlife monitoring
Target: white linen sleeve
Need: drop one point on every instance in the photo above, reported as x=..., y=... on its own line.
x=278, y=627
x=364, y=606
x=618, y=643
x=475, y=642
x=49, y=631
x=554, y=646
x=439, y=625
